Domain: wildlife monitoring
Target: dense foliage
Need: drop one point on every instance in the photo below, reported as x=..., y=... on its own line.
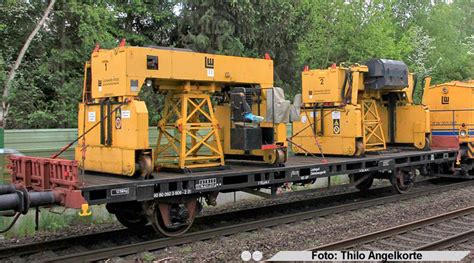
x=432, y=37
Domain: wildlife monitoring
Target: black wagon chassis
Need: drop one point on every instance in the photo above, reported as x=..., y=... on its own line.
x=103, y=189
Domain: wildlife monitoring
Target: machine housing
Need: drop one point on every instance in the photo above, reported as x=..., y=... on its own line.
x=452, y=117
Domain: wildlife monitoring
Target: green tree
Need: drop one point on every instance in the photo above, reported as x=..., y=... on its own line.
x=350, y=32
x=451, y=27
x=48, y=86
x=211, y=26
x=247, y=28
x=432, y=37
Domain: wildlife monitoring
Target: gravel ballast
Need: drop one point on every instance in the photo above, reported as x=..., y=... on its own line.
x=315, y=232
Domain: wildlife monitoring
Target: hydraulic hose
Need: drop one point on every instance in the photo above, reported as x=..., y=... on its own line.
x=11, y=224
x=415, y=84
x=343, y=90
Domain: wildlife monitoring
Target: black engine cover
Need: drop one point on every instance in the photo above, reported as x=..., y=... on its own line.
x=386, y=74
x=245, y=138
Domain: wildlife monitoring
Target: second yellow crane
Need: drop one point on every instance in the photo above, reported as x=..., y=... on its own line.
x=358, y=109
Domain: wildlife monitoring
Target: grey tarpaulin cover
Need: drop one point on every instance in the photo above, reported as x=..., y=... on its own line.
x=295, y=108
x=277, y=106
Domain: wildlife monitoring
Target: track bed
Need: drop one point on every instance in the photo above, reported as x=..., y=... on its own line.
x=103, y=188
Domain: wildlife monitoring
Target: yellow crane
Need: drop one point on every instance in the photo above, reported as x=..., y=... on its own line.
x=358, y=109
x=215, y=107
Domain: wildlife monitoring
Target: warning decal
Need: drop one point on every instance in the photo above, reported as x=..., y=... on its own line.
x=336, y=122
x=91, y=116
x=210, y=72
x=118, y=119
x=125, y=114
x=336, y=126
x=118, y=122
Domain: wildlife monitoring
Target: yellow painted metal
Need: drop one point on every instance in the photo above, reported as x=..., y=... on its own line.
x=412, y=125
x=116, y=69
x=187, y=80
x=340, y=142
x=373, y=135
x=319, y=86
x=188, y=134
x=127, y=139
x=85, y=210
x=355, y=120
x=452, y=109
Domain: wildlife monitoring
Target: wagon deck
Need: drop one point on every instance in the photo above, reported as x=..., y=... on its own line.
x=101, y=188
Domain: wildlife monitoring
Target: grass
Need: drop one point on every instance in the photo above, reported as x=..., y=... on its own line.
x=147, y=257
x=51, y=219
x=338, y=180
x=54, y=220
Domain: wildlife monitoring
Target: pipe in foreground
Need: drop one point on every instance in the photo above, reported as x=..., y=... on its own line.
x=21, y=201
x=7, y=189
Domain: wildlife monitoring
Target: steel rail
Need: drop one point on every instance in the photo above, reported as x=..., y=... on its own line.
x=151, y=245
x=400, y=229
x=449, y=241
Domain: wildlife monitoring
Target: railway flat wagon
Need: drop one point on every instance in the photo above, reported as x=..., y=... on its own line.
x=223, y=129
x=171, y=200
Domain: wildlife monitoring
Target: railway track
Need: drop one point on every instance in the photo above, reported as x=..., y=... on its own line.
x=438, y=232
x=328, y=197
x=117, y=250
x=325, y=197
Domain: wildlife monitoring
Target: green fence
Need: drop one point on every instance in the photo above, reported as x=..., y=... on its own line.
x=45, y=142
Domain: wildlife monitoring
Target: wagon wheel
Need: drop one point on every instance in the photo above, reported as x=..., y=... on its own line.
x=174, y=219
x=131, y=219
x=276, y=157
x=364, y=185
x=402, y=181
